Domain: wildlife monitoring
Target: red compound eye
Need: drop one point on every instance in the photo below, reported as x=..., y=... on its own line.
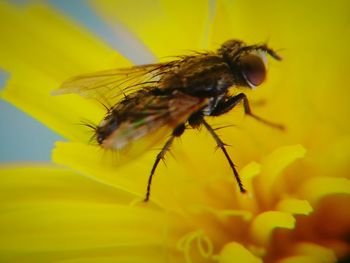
x=253, y=69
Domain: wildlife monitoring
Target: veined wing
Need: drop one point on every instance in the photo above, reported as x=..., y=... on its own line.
x=146, y=114
x=109, y=85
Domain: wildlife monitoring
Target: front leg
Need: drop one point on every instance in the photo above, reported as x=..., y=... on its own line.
x=231, y=102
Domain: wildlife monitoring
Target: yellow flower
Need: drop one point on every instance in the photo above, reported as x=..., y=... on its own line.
x=298, y=181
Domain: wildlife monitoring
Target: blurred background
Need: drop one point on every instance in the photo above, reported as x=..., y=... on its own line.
x=16, y=135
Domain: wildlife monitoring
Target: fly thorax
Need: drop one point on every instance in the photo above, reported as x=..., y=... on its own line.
x=212, y=103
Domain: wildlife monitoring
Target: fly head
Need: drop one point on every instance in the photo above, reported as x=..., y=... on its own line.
x=247, y=63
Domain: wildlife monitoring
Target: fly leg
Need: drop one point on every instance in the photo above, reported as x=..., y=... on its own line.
x=178, y=131
x=231, y=102
x=221, y=145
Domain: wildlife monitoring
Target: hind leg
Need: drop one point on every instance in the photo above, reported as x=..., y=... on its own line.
x=178, y=131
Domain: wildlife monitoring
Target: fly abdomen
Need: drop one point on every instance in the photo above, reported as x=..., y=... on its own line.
x=107, y=126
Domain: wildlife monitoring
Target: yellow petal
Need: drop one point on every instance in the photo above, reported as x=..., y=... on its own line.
x=48, y=183
x=168, y=28
x=316, y=251
x=317, y=187
x=234, y=20
x=177, y=181
x=221, y=28
x=264, y=224
x=310, y=252
x=273, y=166
x=81, y=228
x=222, y=214
x=278, y=160
x=42, y=49
x=106, y=167
x=250, y=170
x=294, y=206
x=248, y=173
x=334, y=158
x=144, y=255
x=53, y=214
x=238, y=253
x=303, y=259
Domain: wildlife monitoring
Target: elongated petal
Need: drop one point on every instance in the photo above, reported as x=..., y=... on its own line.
x=237, y=252
x=33, y=183
x=264, y=224
x=316, y=188
x=106, y=167
x=302, y=259
x=310, y=253
x=295, y=206
x=50, y=213
x=272, y=168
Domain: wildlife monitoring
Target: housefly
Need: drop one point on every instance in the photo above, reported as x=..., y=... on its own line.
x=174, y=95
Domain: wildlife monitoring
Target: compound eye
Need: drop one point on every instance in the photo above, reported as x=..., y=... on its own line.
x=253, y=69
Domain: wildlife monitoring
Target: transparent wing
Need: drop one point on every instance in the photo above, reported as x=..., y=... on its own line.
x=153, y=117
x=107, y=86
